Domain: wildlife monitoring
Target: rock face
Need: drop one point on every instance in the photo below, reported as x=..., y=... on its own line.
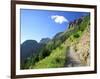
x=83, y=48
x=76, y=22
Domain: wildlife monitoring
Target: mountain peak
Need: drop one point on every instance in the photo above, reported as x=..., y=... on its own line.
x=45, y=40
x=76, y=22
x=30, y=41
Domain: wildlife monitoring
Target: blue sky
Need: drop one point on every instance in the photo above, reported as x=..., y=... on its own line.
x=38, y=24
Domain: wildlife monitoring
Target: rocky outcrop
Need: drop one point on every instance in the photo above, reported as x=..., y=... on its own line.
x=76, y=22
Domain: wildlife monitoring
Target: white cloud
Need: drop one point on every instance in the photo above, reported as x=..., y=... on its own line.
x=59, y=19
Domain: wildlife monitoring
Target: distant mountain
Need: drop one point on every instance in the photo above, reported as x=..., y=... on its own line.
x=45, y=40
x=28, y=48
x=31, y=47
x=58, y=35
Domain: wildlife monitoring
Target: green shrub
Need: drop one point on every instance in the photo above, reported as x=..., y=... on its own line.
x=76, y=35
x=57, y=60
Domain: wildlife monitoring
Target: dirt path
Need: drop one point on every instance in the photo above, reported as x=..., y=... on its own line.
x=72, y=59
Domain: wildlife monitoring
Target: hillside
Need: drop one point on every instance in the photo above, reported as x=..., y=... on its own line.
x=67, y=49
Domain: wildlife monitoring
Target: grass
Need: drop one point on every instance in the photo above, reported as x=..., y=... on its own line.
x=55, y=59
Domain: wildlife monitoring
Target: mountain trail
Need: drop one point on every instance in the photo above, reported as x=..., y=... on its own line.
x=73, y=59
